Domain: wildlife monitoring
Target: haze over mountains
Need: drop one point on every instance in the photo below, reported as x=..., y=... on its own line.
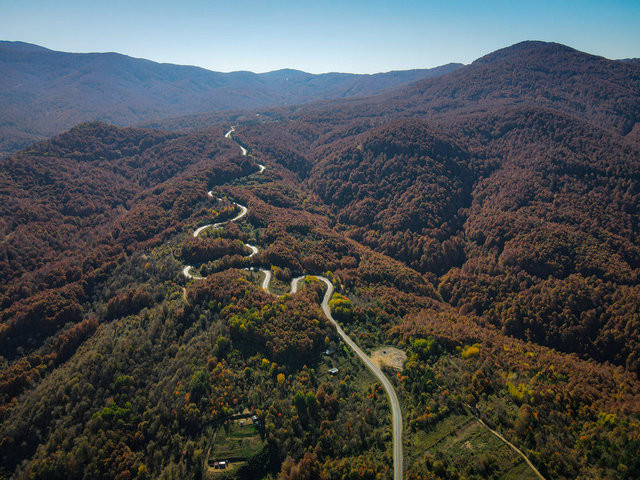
x=530, y=74
x=486, y=221
x=540, y=74
x=45, y=92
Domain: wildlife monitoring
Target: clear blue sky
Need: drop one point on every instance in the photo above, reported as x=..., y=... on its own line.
x=319, y=36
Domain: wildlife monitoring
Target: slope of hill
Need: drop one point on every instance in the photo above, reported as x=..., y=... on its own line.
x=526, y=193
x=69, y=201
x=547, y=74
x=45, y=92
x=516, y=192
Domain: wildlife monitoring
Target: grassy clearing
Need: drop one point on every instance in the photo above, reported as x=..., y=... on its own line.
x=278, y=287
x=460, y=441
x=235, y=441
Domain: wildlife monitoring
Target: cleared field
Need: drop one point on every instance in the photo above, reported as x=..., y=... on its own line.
x=461, y=441
x=237, y=442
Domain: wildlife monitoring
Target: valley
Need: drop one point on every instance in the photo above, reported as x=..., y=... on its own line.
x=481, y=225
x=388, y=387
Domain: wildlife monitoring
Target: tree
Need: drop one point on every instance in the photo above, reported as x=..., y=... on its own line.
x=199, y=385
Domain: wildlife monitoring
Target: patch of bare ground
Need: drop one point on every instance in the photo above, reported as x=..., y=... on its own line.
x=389, y=357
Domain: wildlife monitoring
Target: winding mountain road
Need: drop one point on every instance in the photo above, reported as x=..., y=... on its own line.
x=185, y=272
x=242, y=149
x=243, y=212
x=396, y=413
x=253, y=249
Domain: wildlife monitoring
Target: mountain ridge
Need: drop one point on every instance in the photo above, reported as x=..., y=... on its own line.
x=546, y=74
x=46, y=91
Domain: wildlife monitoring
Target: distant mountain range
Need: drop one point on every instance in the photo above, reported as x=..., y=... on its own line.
x=44, y=92
x=547, y=75
x=528, y=74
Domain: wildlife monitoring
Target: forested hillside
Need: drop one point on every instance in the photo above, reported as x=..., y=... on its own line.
x=501, y=205
x=485, y=223
x=528, y=204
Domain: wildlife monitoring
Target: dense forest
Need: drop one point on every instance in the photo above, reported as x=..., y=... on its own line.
x=485, y=223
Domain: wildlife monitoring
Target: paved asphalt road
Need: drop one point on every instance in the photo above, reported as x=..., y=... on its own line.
x=396, y=414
